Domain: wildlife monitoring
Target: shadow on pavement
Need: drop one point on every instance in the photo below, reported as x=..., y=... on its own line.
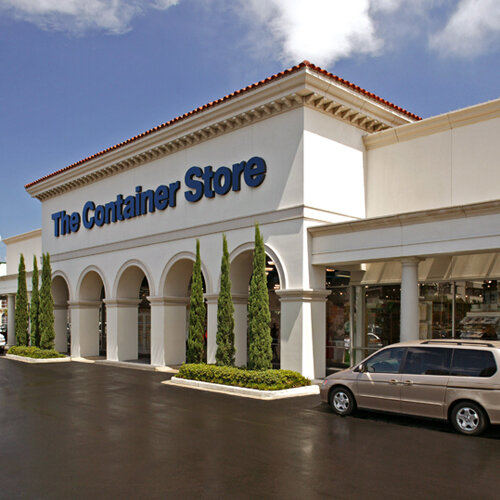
x=493, y=432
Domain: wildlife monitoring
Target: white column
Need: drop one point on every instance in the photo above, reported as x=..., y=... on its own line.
x=60, y=327
x=122, y=329
x=168, y=330
x=409, y=300
x=158, y=330
x=211, y=327
x=11, y=320
x=84, y=327
x=303, y=331
x=240, y=302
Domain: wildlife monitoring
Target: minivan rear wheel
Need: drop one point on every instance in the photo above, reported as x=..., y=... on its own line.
x=469, y=418
x=342, y=401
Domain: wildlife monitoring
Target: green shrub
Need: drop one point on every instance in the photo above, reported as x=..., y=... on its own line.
x=35, y=306
x=225, y=313
x=21, y=310
x=197, y=314
x=268, y=380
x=34, y=352
x=46, y=314
x=260, y=353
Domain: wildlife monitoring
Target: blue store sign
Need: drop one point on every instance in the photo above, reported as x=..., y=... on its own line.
x=199, y=183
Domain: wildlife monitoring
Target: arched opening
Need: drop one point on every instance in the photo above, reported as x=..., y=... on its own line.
x=273, y=284
x=144, y=322
x=134, y=316
x=92, y=315
x=176, y=293
x=60, y=294
x=241, y=274
x=102, y=325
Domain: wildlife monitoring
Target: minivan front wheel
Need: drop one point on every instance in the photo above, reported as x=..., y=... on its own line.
x=469, y=418
x=342, y=401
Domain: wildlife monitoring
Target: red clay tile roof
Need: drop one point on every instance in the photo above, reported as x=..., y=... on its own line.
x=303, y=64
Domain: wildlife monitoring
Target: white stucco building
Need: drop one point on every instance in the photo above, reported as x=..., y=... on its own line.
x=378, y=225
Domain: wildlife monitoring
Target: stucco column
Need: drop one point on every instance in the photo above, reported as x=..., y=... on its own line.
x=11, y=320
x=240, y=302
x=60, y=327
x=303, y=331
x=211, y=326
x=84, y=327
x=409, y=300
x=168, y=330
x=122, y=329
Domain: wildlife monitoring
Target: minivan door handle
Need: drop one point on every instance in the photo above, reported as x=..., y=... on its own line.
x=408, y=382
x=393, y=381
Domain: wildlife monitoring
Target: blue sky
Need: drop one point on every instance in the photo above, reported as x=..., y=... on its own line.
x=78, y=76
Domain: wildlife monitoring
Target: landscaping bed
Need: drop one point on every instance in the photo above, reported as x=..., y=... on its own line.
x=266, y=380
x=34, y=352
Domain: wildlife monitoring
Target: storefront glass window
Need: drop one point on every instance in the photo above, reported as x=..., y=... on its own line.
x=436, y=310
x=477, y=309
x=454, y=309
x=382, y=315
x=338, y=326
x=461, y=309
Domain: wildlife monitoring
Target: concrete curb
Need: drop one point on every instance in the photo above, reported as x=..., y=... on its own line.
x=25, y=359
x=119, y=364
x=135, y=366
x=82, y=360
x=243, y=391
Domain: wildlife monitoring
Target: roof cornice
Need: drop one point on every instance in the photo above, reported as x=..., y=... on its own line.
x=36, y=233
x=441, y=123
x=303, y=85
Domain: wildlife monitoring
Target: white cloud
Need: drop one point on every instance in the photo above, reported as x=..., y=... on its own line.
x=387, y=5
x=325, y=31
x=473, y=28
x=164, y=4
x=78, y=16
x=320, y=30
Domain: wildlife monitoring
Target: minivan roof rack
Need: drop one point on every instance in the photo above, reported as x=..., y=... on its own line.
x=457, y=342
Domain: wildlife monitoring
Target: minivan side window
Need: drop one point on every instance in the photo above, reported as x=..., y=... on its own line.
x=473, y=363
x=386, y=361
x=427, y=361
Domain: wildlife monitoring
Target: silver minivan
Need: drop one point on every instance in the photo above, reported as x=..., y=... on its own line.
x=455, y=380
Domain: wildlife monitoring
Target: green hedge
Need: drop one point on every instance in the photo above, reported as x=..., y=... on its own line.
x=34, y=352
x=268, y=380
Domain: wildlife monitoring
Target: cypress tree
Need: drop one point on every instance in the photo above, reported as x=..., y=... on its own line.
x=225, y=313
x=197, y=314
x=21, y=310
x=35, y=306
x=46, y=316
x=260, y=352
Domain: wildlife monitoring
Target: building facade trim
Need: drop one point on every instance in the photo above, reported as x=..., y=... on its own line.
x=420, y=216
x=433, y=125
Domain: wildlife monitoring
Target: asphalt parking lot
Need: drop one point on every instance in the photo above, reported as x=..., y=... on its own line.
x=91, y=431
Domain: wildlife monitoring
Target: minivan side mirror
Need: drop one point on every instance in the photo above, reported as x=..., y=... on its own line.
x=360, y=368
